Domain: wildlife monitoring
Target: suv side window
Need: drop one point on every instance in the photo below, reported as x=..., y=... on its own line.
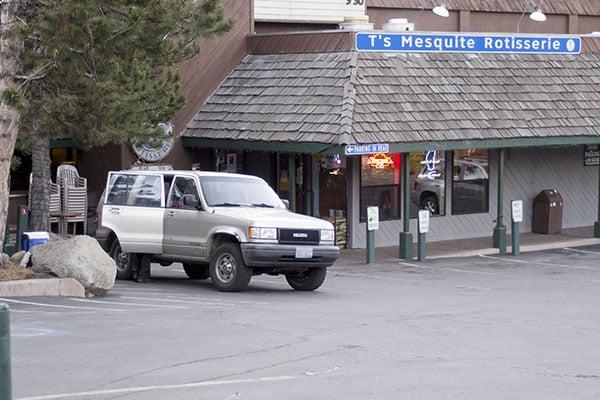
x=146, y=191
x=119, y=189
x=135, y=190
x=183, y=187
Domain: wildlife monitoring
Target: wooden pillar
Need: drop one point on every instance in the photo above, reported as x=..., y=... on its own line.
x=292, y=180
x=316, y=168
x=406, y=240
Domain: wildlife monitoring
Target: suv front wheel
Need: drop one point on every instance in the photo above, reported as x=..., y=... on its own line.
x=228, y=271
x=307, y=280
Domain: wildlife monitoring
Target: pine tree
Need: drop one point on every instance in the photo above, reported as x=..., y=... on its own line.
x=104, y=72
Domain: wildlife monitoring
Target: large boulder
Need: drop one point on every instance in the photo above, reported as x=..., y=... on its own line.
x=81, y=258
x=4, y=260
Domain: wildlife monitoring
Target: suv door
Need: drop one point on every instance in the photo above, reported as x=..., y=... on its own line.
x=184, y=222
x=134, y=210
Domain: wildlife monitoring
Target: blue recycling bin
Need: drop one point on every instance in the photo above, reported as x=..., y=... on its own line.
x=31, y=239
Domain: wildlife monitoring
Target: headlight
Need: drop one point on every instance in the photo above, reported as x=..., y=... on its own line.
x=262, y=233
x=327, y=235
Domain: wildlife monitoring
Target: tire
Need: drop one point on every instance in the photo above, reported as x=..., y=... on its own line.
x=123, y=261
x=196, y=271
x=307, y=280
x=228, y=271
x=431, y=203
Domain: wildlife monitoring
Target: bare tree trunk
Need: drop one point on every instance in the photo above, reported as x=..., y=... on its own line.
x=10, y=61
x=39, y=217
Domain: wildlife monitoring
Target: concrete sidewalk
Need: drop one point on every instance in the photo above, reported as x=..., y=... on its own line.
x=479, y=246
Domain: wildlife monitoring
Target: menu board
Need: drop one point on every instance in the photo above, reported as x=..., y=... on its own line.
x=310, y=11
x=591, y=155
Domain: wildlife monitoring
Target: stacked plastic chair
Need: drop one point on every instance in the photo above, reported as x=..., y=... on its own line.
x=73, y=190
x=55, y=204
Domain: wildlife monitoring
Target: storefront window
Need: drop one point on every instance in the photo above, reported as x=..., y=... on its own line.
x=428, y=182
x=470, y=181
x=380, y=185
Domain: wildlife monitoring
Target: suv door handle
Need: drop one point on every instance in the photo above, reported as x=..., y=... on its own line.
x=170, y=214
x=115, y=211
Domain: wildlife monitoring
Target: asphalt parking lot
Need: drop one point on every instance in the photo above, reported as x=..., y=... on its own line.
x=479, y=328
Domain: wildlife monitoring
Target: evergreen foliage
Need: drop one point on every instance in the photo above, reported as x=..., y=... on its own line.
x=107, y=71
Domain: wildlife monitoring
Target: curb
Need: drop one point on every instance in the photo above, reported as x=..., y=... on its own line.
x=524, y=249
x=67, y=287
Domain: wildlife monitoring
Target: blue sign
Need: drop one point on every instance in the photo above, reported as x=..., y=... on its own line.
x=467, y=43
x=359, y=149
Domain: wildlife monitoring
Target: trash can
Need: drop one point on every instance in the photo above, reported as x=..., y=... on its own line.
x=547, y=212
x=31, y=239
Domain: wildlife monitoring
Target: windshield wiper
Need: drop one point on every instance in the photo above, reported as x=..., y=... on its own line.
x=228, y=205
x=265, y=205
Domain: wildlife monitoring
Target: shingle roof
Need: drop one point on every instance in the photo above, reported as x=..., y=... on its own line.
x=578, y=7
x=296, y=97
x=349, y=97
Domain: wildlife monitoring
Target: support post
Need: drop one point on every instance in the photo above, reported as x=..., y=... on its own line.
x=292, y=181
x=5, y=374
x=22, y=225
x=515, y=239
x=370, y=246
x=422, y=239
x=406, y=241
x=316, y=168
x=597, y=223
x=500, y=229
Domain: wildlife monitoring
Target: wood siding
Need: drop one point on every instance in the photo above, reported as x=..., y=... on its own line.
x=295, y=43
x=528, y=171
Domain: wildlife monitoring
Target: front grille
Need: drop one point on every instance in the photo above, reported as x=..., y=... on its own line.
x=298, y=236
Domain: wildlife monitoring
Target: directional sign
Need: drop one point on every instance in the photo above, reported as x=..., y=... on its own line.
x=360, y=149
x=372, y=218
x=517, y=210
x=467, y=43
x=423, y=218
x=591, y=155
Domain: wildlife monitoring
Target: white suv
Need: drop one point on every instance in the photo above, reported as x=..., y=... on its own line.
x=224, y=226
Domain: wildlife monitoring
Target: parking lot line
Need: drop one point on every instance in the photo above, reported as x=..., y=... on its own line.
x=542, y=263
x=206, y=303
x=158, y=387
x=581, y=251
x=58, y=305
x=129, y=304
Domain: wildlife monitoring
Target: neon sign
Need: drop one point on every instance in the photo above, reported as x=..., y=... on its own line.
x=380, y=161
x=430, y=161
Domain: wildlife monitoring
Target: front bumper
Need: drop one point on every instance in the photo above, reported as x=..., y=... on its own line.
x=283, y=255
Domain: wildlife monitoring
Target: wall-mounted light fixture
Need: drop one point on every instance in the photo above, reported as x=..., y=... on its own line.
x=537, y=14
x=441, y=10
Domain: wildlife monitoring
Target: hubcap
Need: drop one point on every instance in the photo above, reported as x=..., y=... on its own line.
x=226, y=268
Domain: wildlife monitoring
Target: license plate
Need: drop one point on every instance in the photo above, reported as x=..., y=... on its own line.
x=304, y=252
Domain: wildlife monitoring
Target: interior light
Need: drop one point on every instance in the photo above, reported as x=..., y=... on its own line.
x=442, y=11
x=538, y=16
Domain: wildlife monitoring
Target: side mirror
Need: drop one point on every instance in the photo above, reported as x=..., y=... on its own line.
x=286, y=203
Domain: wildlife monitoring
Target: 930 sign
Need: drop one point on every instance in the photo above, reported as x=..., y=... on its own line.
x=355, y=2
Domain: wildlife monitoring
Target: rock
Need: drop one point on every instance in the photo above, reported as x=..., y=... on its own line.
x=24, y=263
x=4, y=260
x=17, y=257
x=81, y=258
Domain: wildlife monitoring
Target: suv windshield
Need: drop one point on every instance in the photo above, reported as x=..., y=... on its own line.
x=220, y=191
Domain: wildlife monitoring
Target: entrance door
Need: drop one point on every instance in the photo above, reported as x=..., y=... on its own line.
x=183, y=233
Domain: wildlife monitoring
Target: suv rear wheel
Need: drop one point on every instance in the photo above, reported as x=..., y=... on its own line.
x=307, y=280
x=228, y=271
x=123, y=261
x=196, y=271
